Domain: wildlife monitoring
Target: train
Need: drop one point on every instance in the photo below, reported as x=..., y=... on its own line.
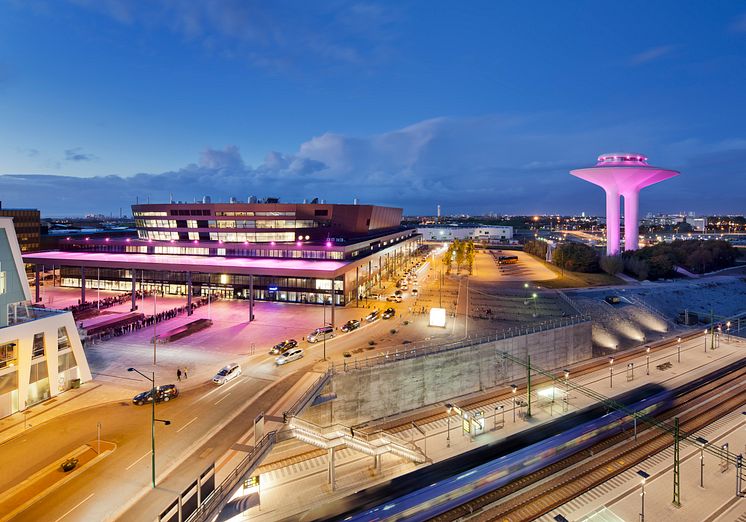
x=435, y=489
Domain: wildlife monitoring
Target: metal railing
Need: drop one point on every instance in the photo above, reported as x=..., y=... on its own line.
x=569, y=301
x=642, y=304
x=422, y=349
x=308, y=395
x=220, y=495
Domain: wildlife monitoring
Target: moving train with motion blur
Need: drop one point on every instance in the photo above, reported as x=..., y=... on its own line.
x=435, y=489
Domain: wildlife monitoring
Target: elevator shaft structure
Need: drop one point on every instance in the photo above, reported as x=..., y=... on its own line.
x=623, y=174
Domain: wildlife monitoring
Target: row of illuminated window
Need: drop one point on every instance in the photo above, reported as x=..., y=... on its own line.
x=231, y=213
x=151, y=213
x=251, y=237
x=155, y=223
x=263, y=223
x=158, y=235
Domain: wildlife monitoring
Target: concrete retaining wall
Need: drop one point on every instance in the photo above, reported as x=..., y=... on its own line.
x=396, y=387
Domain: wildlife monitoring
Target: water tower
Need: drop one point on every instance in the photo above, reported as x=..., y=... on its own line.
x=623, y=174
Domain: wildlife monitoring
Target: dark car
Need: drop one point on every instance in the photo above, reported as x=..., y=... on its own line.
x=283, y=347
x=351, y=325
x=388, y=313
x=162, y=394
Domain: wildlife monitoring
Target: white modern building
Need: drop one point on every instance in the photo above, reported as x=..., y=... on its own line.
x=40, y=350
x=489, y=234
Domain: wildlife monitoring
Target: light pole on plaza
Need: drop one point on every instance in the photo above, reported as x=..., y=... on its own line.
x=647, y=360
x=611, y=372
x=705, y=340
x=678, y=348
x=727, y=329
x=534, y=296
x=152, y=420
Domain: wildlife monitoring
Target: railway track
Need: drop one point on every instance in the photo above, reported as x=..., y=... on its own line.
x=571, y=477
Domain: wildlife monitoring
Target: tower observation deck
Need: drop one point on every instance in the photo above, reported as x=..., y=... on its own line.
x=623, y=174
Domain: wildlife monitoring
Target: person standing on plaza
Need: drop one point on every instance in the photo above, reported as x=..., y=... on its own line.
x=185, y=373
x=178, y=374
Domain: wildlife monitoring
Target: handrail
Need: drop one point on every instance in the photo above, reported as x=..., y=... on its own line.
x=308, y=395
x=216, y=499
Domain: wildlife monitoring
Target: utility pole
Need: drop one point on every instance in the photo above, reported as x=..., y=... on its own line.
x=528, y=386
x=676, y=469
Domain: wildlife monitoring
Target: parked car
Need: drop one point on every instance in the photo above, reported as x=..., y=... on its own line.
x=283, y=347
x=319, y=334
x=374, y=296
x=392, y=298
x=289, y=356
x=227, y=373
x=351, y=325
x=388, y=313
x=414, y=291
x=398, y=292
x=162, y=394
x=373, y=316
x=613, y=299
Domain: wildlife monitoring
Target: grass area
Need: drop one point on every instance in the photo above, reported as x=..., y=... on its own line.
x=567, y=279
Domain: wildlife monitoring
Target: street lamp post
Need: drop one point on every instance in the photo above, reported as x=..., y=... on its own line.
x=727, y=329
x=678, y=348
x=449, y=408
x=152, y=421
x=534, y=296
x=515, y=390
x=567, y=390
x=647, y=360
x=703, y=443
x=611, y=372
x=705, y=340
x=644, y=476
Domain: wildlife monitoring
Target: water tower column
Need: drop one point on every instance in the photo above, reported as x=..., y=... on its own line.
x=631, y=223
x=612, y=221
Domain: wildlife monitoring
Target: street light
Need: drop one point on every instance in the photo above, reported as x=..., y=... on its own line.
x=567, y=389
x=647, y=360
x=705, y=340
x=611, y=372
x=678, y=348
x=515, y=390
x=727, y=329
x=644, y=476
x=153, y=420
x=534, y=297
x=704, y=443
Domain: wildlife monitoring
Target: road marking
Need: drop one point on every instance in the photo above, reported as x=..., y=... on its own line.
x=187, y=424
x=228, y=388
x=221, y=400
x=138, y=460
x=76, y=506
x=208, y=394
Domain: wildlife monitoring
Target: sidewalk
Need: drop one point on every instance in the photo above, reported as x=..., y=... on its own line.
x=354, y=470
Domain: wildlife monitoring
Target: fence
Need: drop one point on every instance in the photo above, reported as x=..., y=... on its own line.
x=308, y=395
x=217, y=499
x=412, y=350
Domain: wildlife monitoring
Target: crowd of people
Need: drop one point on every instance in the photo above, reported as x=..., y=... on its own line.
x=106, y=302
x=149, y=320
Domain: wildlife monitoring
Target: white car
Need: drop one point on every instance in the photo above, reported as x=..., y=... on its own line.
x=289, y=356
x=227, y=373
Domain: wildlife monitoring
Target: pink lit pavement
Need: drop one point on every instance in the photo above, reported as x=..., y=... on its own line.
x=354, y=471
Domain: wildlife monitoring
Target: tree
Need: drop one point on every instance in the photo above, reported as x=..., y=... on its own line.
x=576, y=257
x=470, y=254
x=612, y=265
x=459, y=249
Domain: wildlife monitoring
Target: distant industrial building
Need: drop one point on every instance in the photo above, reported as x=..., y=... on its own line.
x=485, y=234
x=40, y=351
x=27, y=224
x=301, y=253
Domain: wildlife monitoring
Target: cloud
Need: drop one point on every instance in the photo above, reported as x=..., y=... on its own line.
x=739, y=24
x=650, y=55
x=276, y=35
x=494, y=163
x=77, y=154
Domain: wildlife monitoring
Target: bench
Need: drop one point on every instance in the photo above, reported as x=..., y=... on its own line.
x=664, y=366
x=184, y=330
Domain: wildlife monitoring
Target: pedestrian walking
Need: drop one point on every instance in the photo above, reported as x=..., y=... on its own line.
x=178, y=374
x=185, y=372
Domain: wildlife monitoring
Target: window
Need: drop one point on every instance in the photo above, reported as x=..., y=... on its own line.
x=38, y=348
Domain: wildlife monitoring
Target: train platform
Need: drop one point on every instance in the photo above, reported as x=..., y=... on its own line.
x=295, y=467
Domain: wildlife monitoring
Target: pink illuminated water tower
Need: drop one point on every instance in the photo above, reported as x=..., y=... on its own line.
x=622, y=174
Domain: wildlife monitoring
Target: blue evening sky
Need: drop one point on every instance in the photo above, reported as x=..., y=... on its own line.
x=478, y=106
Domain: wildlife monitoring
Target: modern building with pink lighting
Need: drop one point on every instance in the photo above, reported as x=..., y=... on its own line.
x=302, y=253
x=623, y=174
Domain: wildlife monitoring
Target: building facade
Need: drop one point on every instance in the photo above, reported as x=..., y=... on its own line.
x=486, y=234
x=302, y=253
x=40, y=351
x=27, y=224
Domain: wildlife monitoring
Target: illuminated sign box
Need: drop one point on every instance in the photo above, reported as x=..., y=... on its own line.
x=438, y=317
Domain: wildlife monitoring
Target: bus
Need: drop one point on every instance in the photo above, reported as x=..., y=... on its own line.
x=507, y=260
